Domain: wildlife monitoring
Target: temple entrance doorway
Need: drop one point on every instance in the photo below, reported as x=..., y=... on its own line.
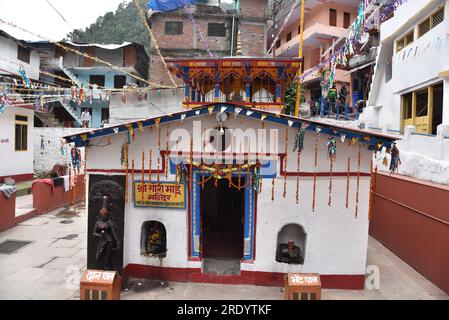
x=222, y=222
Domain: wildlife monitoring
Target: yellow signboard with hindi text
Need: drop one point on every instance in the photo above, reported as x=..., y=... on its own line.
x=159, y=194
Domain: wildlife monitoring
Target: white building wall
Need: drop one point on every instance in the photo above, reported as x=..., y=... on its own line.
x=15, y=162
x=158, y=103
x=50, y=154
x=410, y=70
x=336, y=243
x=8, y=51
x=446, y=101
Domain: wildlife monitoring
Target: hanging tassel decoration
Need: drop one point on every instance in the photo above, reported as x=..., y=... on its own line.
x=85, y=172
x=203, y=182
x=126, y=162
x=150, y=172
x=298, y=165
x=167, y=147
x=70, y=186
x=158, y=156
x=359, y=158
x=347, y=182
x=132, y=172
x=329, y=203
x=371, y=183
x=284, y=194
x=299, y=140
x=191, y=162
x=314, y=175
x=143, y=178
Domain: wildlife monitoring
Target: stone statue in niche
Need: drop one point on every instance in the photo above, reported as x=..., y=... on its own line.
x=106, y=231
x=289, y=253
x=156, y=240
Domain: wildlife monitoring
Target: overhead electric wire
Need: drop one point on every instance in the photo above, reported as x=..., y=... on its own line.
x=83, y=54
x=62, y=17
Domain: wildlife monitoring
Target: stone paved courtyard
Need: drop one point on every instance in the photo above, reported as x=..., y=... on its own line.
x=46, y=269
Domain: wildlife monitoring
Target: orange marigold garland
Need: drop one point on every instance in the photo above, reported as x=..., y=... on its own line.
x=298, y=165
x=143, y=177
x=150, y=160
x=347, y=182
x=85, y=172
x=70, y=186
x=359, y=159
x=167, y=147
x=370, y=199
x=329, y=202
x=158, y=156
x=314, y=175
x=203, y=182
x=191, y=162
x=132, y=171
x=126, y=172
x=284, y=194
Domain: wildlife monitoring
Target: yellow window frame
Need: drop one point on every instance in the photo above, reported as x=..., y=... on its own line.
x=21, y=123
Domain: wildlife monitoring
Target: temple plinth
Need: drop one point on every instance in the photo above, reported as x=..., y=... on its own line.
x=258, y=83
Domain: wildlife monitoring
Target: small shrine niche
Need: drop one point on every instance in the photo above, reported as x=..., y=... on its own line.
x=291, y=244
x=153, y=239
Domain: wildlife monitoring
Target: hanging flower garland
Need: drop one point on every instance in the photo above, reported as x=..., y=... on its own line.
x=158, y=156
x=167, y=147
x=284, y=194
x=347, y=182
x=359, y=159
x=298, y=165
x=143, y=174
x=318, y=130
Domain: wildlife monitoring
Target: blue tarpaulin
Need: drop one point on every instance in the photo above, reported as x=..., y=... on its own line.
x=169, y=5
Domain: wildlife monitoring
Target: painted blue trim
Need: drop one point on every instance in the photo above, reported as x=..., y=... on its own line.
x=231, y=108
x=195, y=219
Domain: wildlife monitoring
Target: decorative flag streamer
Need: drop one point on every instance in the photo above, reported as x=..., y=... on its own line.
x=25, y=78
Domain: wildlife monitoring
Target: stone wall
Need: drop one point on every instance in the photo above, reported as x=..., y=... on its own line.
x=49, y=153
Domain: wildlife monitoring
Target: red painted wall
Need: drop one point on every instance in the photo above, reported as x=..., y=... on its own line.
x=46, y=198
x=18, y=177
x=345, y=282
x=411, y=218
x=7, y=212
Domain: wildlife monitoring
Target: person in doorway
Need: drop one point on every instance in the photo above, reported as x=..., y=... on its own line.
x=85, y=118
